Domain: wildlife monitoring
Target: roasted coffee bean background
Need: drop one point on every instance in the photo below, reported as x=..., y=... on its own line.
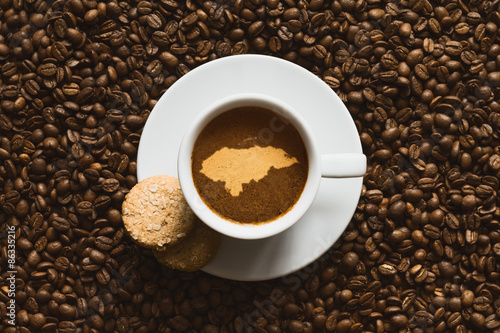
x=421, y=79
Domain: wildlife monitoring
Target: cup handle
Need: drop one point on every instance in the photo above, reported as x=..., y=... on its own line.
x=343, y=165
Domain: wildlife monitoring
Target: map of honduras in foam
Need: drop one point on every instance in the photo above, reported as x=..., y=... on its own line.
x=236, y=167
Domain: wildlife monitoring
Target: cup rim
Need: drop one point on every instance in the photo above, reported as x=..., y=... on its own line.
x=248, y=230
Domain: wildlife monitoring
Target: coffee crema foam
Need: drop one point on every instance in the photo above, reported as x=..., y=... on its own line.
x=244, y=165
x=244, y=176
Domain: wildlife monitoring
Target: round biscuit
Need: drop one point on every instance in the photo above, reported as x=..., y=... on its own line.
x=193, y=252
x=156, y=214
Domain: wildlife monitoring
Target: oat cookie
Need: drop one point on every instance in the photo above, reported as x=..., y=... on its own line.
x=193, y=252
x=156, y=214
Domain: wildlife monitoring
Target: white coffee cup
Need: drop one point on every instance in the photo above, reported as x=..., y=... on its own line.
x=320, y=165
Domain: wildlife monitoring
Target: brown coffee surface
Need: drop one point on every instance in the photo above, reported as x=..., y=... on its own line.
x=249, y=165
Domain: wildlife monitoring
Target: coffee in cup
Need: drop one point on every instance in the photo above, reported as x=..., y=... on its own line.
x=249, y=165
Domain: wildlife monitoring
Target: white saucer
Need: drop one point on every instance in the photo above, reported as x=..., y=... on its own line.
x=335, y=203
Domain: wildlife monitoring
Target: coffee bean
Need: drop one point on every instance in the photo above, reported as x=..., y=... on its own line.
x=295, y=326
x=47, y=69
x=491, y=322
x=97, y=256
x=71, y=89
x=344, y=325
x=38, y=320
x=414, y=57
x=349, y=261
x=399, y=320
x=494, y=162
x=33, y=258
x=387, y=269
x=61, y=224
x=454, y=320
x=168, y=59
x=104, y=243
x=319, y=51
x=477, y=319
x=291, y=310
x=494, y=78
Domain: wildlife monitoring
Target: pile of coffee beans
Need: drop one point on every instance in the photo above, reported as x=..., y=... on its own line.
x=421, y=78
